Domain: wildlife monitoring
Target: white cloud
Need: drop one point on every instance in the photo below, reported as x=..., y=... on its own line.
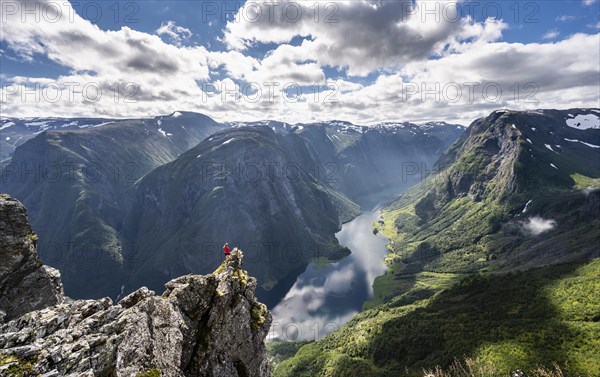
x=594, y=26
x=161, y=72
x=536, y=225
x=565, y=18
x=175, y=32
x=362, y=35
x=172, y=77
x=551, y=34
x=589, y=2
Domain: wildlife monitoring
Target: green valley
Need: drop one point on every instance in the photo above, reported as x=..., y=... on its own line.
x=493, y=258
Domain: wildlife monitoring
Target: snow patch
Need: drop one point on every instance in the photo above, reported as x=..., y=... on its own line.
x=539, y=112
x=583, y=142
x=529, y=141
x=40, y=123
x=590, y=145
x=554, y=166
x=526, y=206
x=95, y=125
x=7, y=138
x=6, y=125
x=584, y=122
x=74, y=123
x=176, y=114
x=550, y=147
x=162, y=132
x=228, y=141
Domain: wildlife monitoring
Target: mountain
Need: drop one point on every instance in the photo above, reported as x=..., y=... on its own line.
x=494, y=257
x=285, y=183
x=247, y=186
x=77, y=183
x=387, y=156
x=201, y=325
x=360, y=161
x=77, y=177
x=182, y=128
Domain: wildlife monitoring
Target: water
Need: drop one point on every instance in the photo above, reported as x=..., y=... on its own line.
x=323, y=298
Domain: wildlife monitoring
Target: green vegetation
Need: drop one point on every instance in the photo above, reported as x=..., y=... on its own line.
x=477, y=368
x=519, y=320
x=220, y=268
x=17, y=367
x=258, y=313
x=154, y=372
x=242, y=275
x=467, y=278
x=280, y=351
x=583, y=182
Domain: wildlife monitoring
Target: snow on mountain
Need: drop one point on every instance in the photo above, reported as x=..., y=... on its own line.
x=584, y=121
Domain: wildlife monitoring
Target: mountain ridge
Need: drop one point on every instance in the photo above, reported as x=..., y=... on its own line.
x=497, y=238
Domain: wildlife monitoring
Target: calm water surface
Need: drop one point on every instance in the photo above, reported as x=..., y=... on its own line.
x=323, y=298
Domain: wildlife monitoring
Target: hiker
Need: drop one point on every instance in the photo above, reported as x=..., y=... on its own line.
x=226, y=250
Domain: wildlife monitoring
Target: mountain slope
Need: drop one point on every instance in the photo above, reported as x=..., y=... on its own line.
x=182, y=128
x=77, y=183
x=244, y=186
x=76, y=176
x=512, y=194
x=360, y=161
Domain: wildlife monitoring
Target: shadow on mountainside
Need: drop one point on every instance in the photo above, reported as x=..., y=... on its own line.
x=516, y=320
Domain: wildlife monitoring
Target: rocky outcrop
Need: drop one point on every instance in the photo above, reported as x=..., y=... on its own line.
x=200, y=326
x=25, y=283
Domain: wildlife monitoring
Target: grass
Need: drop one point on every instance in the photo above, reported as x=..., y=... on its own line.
x=154, y=372
x=513, y=321
x=583, y=182
x=477, y=368
x=279, y=351
x=465, y=279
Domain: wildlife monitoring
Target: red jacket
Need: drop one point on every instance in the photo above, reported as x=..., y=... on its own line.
x=226, y=250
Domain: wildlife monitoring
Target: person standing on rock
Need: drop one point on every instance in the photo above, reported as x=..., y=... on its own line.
x=226, y=250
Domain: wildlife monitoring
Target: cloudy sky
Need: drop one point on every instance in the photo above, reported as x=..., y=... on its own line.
x=362, y=61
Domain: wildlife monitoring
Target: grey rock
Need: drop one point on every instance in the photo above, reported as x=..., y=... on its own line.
x=25, y=283
x=201, y=326
x=208, y=325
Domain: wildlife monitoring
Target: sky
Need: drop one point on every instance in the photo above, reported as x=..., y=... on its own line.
x=362, y=61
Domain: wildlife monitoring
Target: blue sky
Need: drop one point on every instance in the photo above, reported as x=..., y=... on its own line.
x=371, y=49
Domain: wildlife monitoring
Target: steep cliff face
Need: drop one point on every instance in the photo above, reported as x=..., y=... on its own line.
x=75, y=184
x=246, y=186
x=25, y=283
x=201, y=325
